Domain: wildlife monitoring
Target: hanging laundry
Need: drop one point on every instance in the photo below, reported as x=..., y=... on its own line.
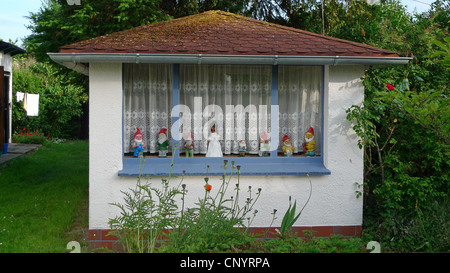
x=19, y=96
x=31, y=104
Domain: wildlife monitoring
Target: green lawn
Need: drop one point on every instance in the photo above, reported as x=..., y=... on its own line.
x=43, y=198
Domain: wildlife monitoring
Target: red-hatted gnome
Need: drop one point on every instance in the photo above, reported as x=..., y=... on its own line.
x=264, y=145
x=189, y=145
x=242, y=147
x=288, y=149
x=309, y=145
x=162, y=143
x=138, y=143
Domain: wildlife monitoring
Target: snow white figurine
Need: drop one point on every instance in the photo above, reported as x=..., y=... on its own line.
x=214, y=148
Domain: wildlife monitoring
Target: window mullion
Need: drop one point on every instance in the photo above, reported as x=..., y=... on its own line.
x=274, y=113
x=175, y=109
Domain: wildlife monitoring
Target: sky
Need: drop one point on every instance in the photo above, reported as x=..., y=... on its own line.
x=13, y=13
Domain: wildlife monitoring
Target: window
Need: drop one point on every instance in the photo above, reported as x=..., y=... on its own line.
x=299, y=99
x=249, y=103
x=147, y=104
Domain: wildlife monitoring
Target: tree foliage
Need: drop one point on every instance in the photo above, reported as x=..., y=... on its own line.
x=60, y=100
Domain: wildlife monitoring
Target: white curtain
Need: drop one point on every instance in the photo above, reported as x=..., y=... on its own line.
x=147, y=103
x=299, y=99
x=234, y=97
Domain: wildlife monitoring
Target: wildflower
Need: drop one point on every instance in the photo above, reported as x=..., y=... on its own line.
x=206, y=179
x=208, y=187
x=390, y=87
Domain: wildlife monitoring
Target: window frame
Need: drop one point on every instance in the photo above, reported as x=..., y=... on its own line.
x=197, y=166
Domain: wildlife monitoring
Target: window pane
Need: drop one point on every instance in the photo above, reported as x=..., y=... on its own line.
x=147, y=103
x=299, y=99
x=234, y=97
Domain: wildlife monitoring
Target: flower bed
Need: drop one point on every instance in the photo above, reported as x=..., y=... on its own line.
x=29, y=137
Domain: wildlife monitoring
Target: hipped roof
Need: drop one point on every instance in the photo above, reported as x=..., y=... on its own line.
x=222, y=33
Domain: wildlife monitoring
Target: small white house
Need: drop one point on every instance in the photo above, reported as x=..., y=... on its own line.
x=7, y=51
x=257, y=82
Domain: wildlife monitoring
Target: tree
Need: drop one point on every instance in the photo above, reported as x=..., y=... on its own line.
x=58, y=24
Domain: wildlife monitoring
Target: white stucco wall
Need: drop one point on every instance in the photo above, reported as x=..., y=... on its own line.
x=333, y=201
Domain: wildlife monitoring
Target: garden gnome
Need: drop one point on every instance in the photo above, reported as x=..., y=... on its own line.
x=288, y=149
x=138, y=144
x=242, y=147
x=264, y=145
x=189, y=145
x=310, y=144
x=162, y=142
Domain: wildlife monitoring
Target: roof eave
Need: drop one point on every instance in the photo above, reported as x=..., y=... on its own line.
x=75, y=61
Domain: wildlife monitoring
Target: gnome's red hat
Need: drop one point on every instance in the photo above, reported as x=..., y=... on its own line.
x=264, y=137
x=310, y=130
x=163, y=131
x=285, y=138
x=138, y=132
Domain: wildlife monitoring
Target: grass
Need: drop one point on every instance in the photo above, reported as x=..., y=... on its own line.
x=43, y=198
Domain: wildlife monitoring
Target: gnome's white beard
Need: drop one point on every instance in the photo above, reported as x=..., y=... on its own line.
x=162, y=138
x=138, y=141
x=309, y=139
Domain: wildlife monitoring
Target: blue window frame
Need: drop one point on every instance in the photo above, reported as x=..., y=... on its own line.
x=197, y=166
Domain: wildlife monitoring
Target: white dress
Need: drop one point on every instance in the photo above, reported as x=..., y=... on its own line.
x=214, y=148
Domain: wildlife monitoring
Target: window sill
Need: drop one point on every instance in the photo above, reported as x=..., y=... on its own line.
x=249, y=166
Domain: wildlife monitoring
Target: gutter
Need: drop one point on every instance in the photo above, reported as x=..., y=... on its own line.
x=79, y=61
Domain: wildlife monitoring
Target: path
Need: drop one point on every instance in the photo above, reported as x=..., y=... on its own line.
x=17, y=149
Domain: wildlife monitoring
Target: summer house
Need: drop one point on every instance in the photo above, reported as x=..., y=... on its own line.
x=217, y=86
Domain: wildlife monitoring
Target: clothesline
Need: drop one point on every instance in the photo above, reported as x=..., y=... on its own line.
x=18, y=92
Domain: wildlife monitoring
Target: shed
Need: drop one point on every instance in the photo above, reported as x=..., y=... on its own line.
x=7, y=51
x=258, y=83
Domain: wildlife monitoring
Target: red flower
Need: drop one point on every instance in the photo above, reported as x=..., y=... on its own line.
x=208, y=187
x=390, y=87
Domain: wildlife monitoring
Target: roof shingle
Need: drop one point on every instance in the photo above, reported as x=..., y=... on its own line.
x=222, y=33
